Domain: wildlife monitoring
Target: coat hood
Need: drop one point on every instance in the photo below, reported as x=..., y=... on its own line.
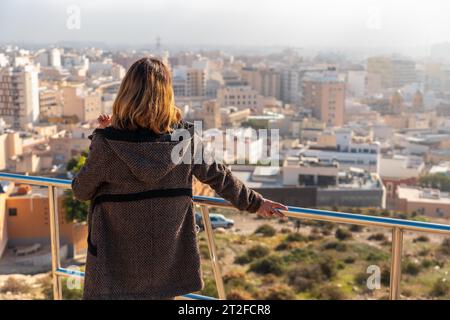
x=149, y=156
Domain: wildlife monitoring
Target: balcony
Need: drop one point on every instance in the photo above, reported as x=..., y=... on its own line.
x=396, y=226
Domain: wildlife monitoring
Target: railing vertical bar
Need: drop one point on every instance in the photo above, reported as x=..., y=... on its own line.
x=396, y=263
x=54, y=240
x=212, y=252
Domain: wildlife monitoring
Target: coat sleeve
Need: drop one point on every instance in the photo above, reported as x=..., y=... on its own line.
x=90, y=177
x=222, y=181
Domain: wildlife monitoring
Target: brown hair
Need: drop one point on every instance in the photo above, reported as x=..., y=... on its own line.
x=145, y=98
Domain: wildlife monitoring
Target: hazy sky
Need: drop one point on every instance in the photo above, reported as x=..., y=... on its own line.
x=231, y=22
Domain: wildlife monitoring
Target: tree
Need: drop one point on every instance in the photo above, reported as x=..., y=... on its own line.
x=75, y=209
x=438, y=181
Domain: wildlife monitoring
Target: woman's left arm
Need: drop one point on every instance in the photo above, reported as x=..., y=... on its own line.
x=89, y=178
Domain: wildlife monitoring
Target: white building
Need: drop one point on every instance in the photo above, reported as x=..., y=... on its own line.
x=344, y=148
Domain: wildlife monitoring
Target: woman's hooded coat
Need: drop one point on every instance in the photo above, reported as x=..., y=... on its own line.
x=142, y=240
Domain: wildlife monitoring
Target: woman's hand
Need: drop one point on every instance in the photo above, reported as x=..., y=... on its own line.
x=104, y=120
x=270, y=208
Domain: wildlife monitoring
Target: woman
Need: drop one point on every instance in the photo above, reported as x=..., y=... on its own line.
x=141, y=239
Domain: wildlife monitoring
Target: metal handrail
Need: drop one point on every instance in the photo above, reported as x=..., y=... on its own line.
x=398, y=226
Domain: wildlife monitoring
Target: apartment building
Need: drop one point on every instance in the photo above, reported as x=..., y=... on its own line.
x=266, y=81
x=393, y=72
x=189, y=82
x=324, y=94
x=342, y=146
x=80, y=102
x=240, y=96
x=50, y=103
x=19, y=96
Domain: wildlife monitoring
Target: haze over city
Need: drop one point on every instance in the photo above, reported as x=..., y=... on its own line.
x=323, y=23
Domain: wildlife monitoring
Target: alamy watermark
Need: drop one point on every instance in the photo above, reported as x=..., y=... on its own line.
x=230, y=146
x=73, y=21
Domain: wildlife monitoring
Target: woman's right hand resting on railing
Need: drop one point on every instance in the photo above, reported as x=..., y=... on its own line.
x=270, y=208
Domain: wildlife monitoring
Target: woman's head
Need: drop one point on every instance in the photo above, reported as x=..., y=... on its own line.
x=145, y=98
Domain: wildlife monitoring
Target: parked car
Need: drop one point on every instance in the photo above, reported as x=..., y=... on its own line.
x=217, y=221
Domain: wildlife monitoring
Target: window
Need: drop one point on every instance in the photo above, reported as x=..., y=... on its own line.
x=12, y=212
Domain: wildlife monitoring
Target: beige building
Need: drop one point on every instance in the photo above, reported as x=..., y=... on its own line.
x=19, y=96
x=429, y=202
x=50, y=103
x=393, y=72
x=211, y=115
x=81, y=103
x=24, y=221
x=324, y=94
x=189, y=82
x=265, y=81
x=233, y=117
x=243, y=97
x=10, y=148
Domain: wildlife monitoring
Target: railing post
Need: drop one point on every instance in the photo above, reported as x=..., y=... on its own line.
x=396, y=263
x=54, y=240
x=212, y=252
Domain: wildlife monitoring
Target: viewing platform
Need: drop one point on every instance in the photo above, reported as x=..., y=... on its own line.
x=397, y=226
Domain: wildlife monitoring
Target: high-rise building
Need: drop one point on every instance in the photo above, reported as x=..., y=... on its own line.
x=394, y=72
x=290, y=91
x=324, y=94
x=266, y=81
x=189, y=82
x=19, y=96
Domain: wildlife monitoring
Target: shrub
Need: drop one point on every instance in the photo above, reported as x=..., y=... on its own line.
x=377, y=237
x=285, y=230
x=421, y=239
x=295, y=237
x=238, y=294
x=233, y=275
x=302, y=255
x=385, y=277
x=283, y=246
x=280, y=292
x=272, y=264
x=343, y=234
x=411, y=268
x=15, y=286
x=314, y=237
x=335, y=245
x=266, y=230
x=243, y=259
x=303, y=278
x=328, y=266
x=330, y=292
x=258, y=251
x=209, y=289
x=427, y=263
x=424, y=252
x=445, y=246
x=349, y=260
x=440, y=288
x=356, y=228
